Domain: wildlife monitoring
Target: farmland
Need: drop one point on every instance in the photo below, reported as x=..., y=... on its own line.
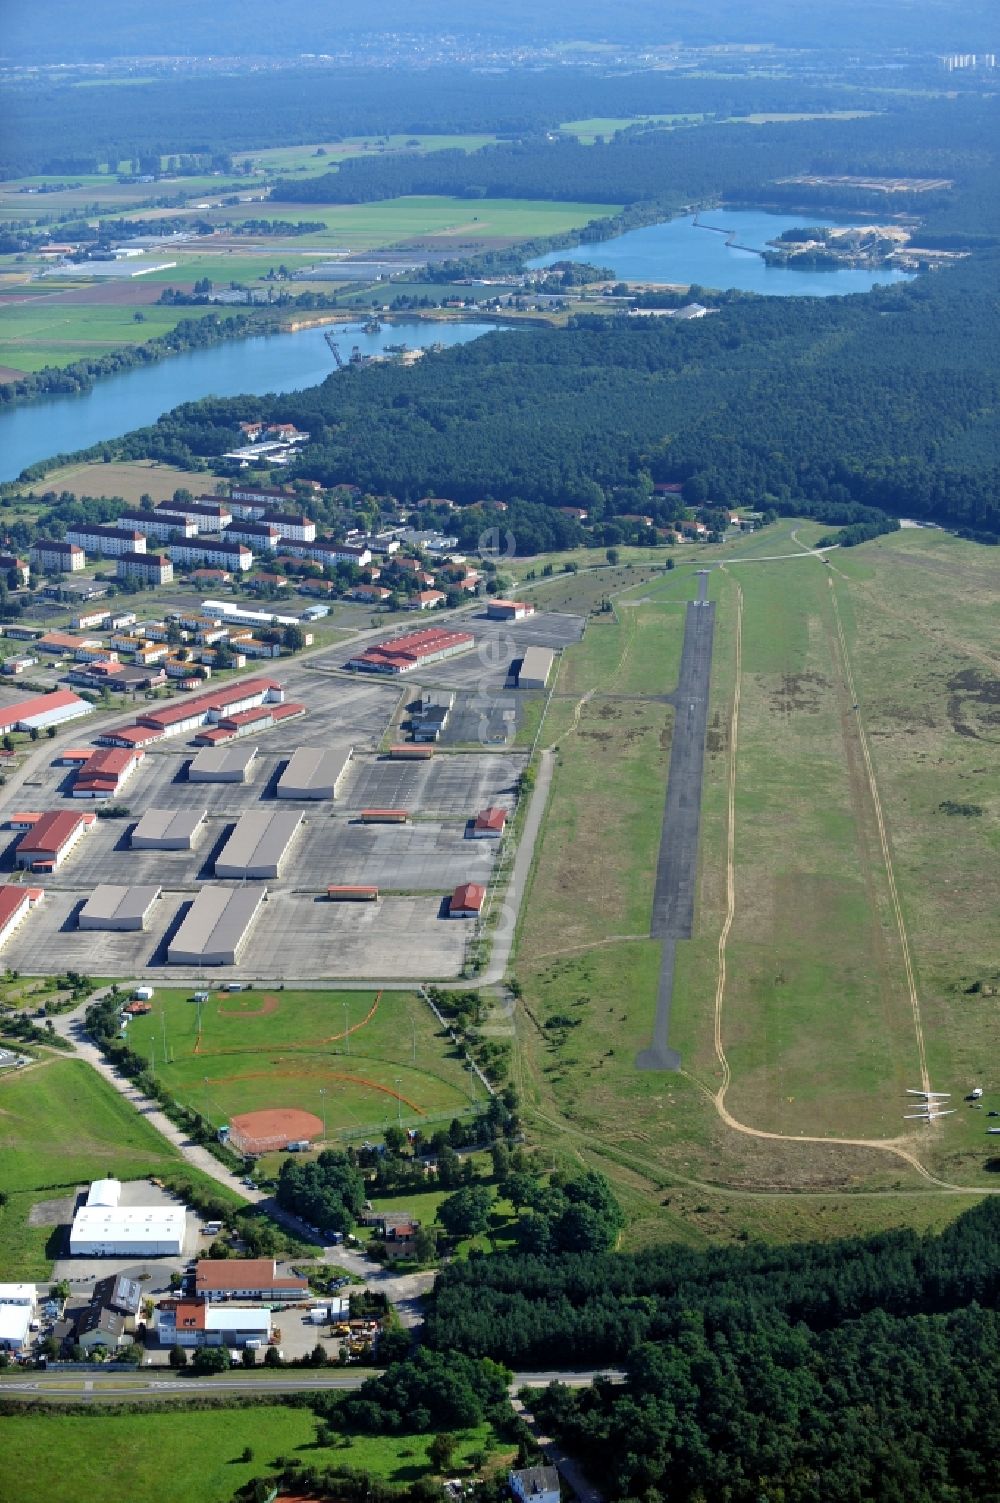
x=50, y=331
x=60, y=1126
x=360, y=1059
x=105, y=1458
x=817, y=1021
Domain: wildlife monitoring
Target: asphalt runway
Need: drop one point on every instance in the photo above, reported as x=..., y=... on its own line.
x=677, y=864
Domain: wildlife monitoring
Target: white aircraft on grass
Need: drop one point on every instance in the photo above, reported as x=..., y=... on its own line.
x=928, y=1116
x=931, y=1096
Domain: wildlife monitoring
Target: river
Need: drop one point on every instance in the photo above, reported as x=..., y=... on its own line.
x=266, y=363
x=679, y=250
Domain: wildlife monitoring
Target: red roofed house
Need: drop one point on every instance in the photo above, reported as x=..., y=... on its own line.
x=490, y=824
x=426, y=600
x=509, y=610
x=245, y=1278
x=467, y=900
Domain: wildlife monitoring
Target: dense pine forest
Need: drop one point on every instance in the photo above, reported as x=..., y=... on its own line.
x=863, y=1369
x=887, y=400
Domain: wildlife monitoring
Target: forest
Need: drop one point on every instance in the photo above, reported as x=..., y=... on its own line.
x=886, y=400
x=752, y=1372
x=55, y=128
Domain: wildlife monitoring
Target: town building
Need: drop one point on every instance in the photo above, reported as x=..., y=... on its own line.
x=217, y=552
x=52, y=557
x=106, y=542
x=216, y=926
x=245, y=1278
x=324, y=551
x=150, y=568
x=293, y=525
x=414, y=650
x=535, y=1484
x=427, y=600
x=160, y=525
x=261, y=536
x=206, y=514
x=431, y=715
x=193, y=1322
x=11, y=564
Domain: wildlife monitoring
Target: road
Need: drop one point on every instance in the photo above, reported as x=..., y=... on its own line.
x=90, y=1387
x=677, y=864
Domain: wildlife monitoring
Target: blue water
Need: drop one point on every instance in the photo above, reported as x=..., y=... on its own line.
x=266, y=363
x=681, y=251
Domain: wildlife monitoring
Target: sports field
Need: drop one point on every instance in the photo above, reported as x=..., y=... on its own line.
x=356, y=1060
x=60, y=1126
x=844, y=970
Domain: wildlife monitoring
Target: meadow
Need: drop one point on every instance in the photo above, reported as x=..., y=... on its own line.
x=817, y=1021
x=359, y=1059
x=54, y=332
x=61, y=1125
x=106, y=1458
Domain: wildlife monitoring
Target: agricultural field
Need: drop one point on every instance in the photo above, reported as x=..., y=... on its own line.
x=358, y=1059
x=605, y=126
x=106, y=1458
x=60, y=1126
x=289, y=161
x=130, y=481
x=817, y=1019
x=54, y=332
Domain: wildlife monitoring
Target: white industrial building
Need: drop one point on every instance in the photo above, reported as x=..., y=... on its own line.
x=15, y=1326
x=312, y=773
x=241, y=616
x=104, y=1228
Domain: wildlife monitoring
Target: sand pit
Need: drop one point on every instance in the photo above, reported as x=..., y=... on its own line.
x=257, y=1132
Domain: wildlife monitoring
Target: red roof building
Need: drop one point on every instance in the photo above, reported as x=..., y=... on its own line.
x=50, y=840
x=414, y=650
x=467, y=900
x=489, y=823
x=105, y=773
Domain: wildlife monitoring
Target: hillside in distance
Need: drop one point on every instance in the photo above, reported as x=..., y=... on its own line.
x=51, y=31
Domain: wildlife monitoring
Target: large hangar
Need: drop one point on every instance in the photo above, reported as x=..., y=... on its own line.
x=168, y=829
x=257, y=848
x=102, y=1231
x=313, y=774
x=118, y=908
x=223, y=764
x=216, y=926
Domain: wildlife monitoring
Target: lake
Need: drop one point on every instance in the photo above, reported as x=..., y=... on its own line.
x=135, y=398
x=679, y=250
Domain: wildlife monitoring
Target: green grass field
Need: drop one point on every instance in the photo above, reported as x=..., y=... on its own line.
x=163, y=1455
x=816, y=1023
x=57, y=333
x=287, y=161
x=255, y=1054
x=587, y=131
x=60, y=1126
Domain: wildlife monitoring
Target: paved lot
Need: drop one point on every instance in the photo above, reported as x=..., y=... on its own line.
x=457, y=785
x=484, y=719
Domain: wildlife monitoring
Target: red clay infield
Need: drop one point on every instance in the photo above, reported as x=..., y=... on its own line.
x=285, y=1122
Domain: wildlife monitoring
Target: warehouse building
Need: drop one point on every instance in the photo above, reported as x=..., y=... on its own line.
x=414, y=650
x=407, y=751
x=230, y=764
x=384, y=816
x=208, y=709
x=118, y=909
x=509, y=610
x=189, y=1322
x=127, y=1231
x=536, y=666
x=105, y=1192
x=129, y=735
x=311, y=773
x=43, y=710
x=431, y=716
x=15, y=905
x=105, y=772
x=245, y=1278
x=258, y=846
x=15, y=1326
x=169, y=830
x=247, y=723
x=343, y=892
x=216, y=926
x=51, y=838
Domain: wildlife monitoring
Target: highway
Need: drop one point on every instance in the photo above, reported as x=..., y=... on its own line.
x=164, y=1383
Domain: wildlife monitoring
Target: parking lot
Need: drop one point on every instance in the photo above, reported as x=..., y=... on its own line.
x=298, y=933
